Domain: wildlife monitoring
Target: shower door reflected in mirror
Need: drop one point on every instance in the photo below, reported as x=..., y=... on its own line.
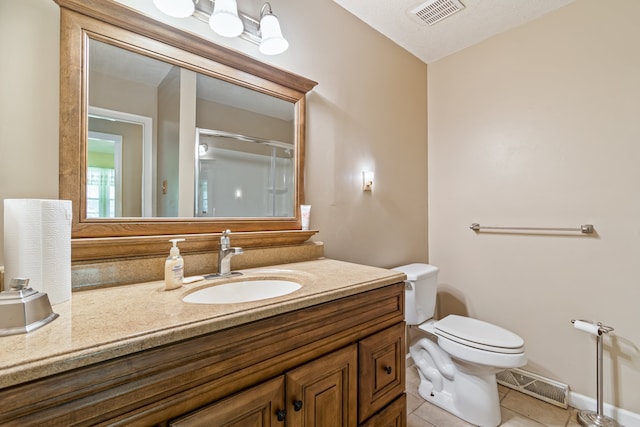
x=228, y=168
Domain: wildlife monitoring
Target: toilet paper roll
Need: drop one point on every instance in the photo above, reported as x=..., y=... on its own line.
x=37, y=245
x=588, y=327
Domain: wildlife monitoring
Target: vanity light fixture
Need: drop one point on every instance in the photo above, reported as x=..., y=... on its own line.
x=225, y=20
x=272, y=42
x=367, y=180
x=175, y=8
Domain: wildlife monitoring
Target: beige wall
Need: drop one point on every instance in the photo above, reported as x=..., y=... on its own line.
x=539, y=127
x=29, y=76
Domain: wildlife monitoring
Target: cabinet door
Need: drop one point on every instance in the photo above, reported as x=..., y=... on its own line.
x=323, y=392
x=394, y=415
x=259, y=406
x=382, y=370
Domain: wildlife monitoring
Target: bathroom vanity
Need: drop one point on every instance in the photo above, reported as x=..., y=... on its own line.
x=331, y=353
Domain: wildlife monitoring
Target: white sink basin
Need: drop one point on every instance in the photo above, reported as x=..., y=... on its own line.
x=242, y=291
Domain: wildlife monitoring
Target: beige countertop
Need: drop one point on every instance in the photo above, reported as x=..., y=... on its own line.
x=101, y=324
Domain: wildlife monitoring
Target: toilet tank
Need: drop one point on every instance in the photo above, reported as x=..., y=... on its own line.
x=420, y=292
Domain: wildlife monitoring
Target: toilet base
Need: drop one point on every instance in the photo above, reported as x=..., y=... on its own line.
x=471, y=396
x=480, y=407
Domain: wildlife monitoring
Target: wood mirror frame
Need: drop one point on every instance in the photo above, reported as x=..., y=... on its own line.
x=125, y=237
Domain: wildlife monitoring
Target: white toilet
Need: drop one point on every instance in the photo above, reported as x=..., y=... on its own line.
x=458, y=373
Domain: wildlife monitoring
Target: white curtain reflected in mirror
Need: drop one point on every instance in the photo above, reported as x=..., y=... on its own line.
x=228, y=168
x=104, y=175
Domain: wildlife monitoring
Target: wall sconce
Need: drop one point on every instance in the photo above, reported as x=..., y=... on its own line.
x=225, y=20
x=367, y=180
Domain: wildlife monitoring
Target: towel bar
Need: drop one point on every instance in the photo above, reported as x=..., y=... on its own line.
x=585, y=228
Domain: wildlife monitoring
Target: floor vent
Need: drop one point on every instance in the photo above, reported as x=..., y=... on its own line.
x=436, y=10
x=534, y=385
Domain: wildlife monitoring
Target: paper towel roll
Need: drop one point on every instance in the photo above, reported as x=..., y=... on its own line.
x=37, y=245
x=589, y=327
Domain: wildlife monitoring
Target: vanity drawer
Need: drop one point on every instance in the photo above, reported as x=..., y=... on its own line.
x=381, y=370
x=394, y=415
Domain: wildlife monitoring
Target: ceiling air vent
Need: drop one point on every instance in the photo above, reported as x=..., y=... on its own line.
x=434, y=11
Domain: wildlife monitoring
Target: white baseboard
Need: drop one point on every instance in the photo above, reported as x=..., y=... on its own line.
x=622, y=416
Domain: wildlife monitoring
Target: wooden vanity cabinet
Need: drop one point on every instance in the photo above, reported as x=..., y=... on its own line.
x=382, y=370
x=258, y=406
x=324, y=392
x=329, y=361
x=319, y=393
x=394, y=415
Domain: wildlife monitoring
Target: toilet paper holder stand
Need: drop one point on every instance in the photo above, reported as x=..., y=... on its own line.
x=23, y=309
x=590, y=418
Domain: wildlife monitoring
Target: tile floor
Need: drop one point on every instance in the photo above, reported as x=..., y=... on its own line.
x=518, y=409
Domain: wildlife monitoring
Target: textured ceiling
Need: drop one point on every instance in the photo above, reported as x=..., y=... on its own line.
x=479, y=20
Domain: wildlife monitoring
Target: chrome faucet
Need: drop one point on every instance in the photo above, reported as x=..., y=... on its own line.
x=225, y=253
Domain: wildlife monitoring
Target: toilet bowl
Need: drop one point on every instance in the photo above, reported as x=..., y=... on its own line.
x=458, y=357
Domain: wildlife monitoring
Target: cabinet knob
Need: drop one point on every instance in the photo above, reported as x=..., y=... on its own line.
x=281, y=414
x=388, y=369
x=297, y=405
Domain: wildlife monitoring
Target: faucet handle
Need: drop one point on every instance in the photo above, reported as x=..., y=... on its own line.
x=225, y=242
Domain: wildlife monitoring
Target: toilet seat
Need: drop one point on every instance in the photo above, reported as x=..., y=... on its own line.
x=467, y=354
x=478, y=334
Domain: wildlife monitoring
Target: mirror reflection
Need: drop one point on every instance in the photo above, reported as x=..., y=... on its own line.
x=228, y=172
x=166, y=141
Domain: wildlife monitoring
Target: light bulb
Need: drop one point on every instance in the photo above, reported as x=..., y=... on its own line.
x=272, y=41
x=225, y=20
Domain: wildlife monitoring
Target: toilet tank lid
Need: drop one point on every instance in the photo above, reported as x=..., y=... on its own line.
x=417, y=270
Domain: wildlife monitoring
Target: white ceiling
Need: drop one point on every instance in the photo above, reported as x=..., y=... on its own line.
x=479, y=20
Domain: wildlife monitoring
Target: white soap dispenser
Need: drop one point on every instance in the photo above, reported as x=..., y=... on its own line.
x=174, y=267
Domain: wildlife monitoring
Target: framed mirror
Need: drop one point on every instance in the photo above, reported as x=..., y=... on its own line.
x=163, y=132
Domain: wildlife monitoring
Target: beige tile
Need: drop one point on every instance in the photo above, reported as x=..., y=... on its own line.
x=573, y=420
x=413, y=402
x=502, y=391
x=415, y=421
x=537, y=410
x=513, y=419
x=439, y=417
x=412, y=380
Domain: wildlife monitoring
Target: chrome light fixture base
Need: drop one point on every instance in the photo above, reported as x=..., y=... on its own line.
x=226, y=20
